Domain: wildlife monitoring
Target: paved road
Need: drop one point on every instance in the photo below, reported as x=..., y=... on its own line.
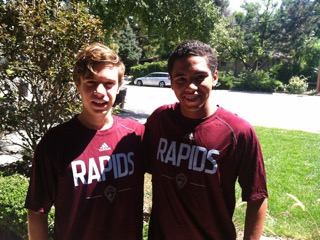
x=297, y=112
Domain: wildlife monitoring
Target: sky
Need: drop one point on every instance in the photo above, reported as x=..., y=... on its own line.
x=234, y=5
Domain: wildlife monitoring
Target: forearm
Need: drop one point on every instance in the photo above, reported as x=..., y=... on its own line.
x=255, y=216
x=37, y=225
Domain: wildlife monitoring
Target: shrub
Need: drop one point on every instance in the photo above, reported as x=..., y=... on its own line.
x=145, y=69
x=38, y=40
x=13, y=215
x=284, y=70
x=226, y=80
x=296, y=85
x=258, y=81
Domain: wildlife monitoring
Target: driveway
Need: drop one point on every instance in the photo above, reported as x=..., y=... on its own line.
x=277, y=110
x=297, y=112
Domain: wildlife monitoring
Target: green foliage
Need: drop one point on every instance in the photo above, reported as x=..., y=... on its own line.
x=170, y=22
x=145, y=231
x=129, y=50
x=243, y=37
x=160, y=25
x=114, y=14
x=307, y=65
x=297, y=22
x=226, y=80
x=262, y=33
x=285, y=70
x=13, y=216
x=257, y=81
x=38, y=42
x=144, y=69
x=310, y=62
x=297, y=85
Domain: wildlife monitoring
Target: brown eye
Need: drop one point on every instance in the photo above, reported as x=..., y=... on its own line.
x=90, y=83
x=180, y=80
x=108, y=85
x=200, y=78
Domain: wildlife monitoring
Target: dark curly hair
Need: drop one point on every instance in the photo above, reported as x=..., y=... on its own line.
x=193, y=48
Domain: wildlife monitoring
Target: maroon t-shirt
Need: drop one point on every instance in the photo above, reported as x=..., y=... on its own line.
x=195, y=165
x=93, y=178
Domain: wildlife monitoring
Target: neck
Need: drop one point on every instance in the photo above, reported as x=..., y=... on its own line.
x=208, y=109
x=96, y=123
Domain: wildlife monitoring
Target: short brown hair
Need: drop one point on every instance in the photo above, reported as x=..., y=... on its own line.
x=96, y=53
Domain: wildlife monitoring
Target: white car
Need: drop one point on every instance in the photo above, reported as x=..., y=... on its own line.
x=160, y=79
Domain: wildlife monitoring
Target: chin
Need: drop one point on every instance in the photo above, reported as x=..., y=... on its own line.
x=102, y=111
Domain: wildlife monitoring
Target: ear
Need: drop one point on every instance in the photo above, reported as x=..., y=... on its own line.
x=215, y=78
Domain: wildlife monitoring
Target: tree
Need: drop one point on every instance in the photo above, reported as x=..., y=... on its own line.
x=244, y=36
x=264, y=31
x=129, y=50
x=161, y=24
x=171, y=22
x=294, y=23
x=113, y=13
x=296, y=34
x=38, y=41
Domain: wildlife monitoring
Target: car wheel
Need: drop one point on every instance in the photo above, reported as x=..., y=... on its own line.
x=139, y=83
x=162, y=84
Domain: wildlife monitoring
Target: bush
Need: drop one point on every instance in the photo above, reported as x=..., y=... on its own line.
x=13, y=215
x=145, y=69
x=38, y=40
x=258, y=81
x=284, y=70
x=226, y=80
x=296, y=85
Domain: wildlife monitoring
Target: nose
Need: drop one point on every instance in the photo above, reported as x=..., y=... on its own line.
x=192, y=85
x=100, y=90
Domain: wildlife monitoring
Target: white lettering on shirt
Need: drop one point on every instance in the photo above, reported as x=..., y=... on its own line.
x=198, y=158
x=120, y=165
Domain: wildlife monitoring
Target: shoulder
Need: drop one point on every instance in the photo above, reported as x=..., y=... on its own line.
x=166, y=107
x=61, y=131
x=235, y=123
x=163, y=111
x=64, y=128
x=57, y=137
x=129, y=125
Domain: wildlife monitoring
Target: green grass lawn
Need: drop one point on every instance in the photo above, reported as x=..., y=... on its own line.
x=292, y=160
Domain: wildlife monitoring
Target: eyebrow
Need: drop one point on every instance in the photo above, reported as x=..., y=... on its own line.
x=195, y=73
x=178, y=75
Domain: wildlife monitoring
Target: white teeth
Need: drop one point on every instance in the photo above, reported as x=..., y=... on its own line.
x=190, y=97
